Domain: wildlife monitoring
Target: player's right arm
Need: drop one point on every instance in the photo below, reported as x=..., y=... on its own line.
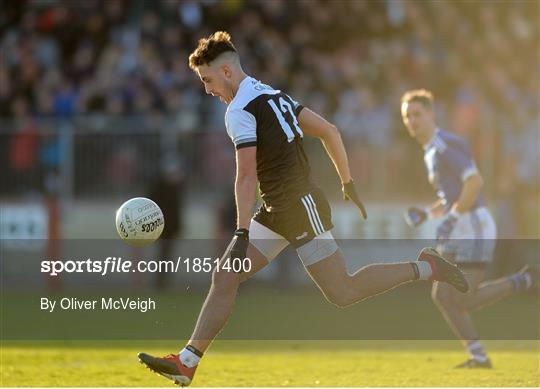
x=245, y=187
x=242, y=128
x=315, y=125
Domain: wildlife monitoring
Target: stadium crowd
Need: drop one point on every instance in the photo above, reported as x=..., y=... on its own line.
x=350, y=60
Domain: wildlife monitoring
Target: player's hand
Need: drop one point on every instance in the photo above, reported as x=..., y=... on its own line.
x=239, y=244
x=415, y=216
x=446, y=227
x=349, y=193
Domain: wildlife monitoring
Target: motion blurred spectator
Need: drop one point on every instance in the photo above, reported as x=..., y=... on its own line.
x=120, y=59
x=24, y=146
x=168, y=192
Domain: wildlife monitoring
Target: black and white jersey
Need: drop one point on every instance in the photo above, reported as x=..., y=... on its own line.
x=267, y=118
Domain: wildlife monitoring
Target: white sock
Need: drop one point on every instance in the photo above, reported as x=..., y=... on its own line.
x=477, y=351
x=188, y=358
x=528, y=281
x=424, y=270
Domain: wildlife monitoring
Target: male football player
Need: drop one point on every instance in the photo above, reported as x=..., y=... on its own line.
x=467, y=232
x=267, y=128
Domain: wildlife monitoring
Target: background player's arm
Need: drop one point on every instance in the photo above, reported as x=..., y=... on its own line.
x=315, y=125
x=436, y=209
x=245, y=186
x=469, y=193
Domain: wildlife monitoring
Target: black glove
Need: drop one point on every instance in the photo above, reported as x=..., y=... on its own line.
x=415, y=216
x=349, y=193
x=239, y=244
x=446, y=227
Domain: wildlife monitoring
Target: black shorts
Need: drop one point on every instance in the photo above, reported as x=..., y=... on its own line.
x=307, y=217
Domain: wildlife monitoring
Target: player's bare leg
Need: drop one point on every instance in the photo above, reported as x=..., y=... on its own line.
x=343, y=289
x=180, y=368
x=220, y=300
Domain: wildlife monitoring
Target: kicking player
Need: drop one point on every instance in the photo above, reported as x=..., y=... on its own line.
x=467, y=232
x=267, y=128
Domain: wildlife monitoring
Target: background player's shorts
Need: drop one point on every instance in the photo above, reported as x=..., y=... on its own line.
x=306, y=224
x=473, y=239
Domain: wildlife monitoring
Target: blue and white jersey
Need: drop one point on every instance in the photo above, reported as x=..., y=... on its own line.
x=449, y=163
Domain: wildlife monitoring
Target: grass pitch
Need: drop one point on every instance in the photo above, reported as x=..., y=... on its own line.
x=271, y=363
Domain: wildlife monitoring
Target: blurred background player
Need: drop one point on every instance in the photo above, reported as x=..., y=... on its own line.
x=168, y=192
x=467, y=233
x=267, y=128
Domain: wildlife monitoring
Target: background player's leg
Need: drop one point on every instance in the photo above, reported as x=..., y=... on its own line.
x=220, y=300
x=481, y=294
x=486, y=293
x=449, y=303
x=342, y=288
x=452, y=306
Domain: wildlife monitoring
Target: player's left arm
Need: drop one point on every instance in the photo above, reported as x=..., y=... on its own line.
x=315, y=125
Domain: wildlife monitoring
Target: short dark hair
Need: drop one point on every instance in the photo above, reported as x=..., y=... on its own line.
x=422, y=96
x=210, y=48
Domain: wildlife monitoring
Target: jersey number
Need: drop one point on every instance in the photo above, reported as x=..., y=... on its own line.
x=286, y=108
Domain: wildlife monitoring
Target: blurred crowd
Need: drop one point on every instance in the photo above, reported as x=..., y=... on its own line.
x=349, y=60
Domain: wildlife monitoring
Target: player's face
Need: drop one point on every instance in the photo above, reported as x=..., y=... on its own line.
x=216, y=80
x=419, y=120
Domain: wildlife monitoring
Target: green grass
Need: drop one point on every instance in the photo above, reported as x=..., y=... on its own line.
x=271, y=363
